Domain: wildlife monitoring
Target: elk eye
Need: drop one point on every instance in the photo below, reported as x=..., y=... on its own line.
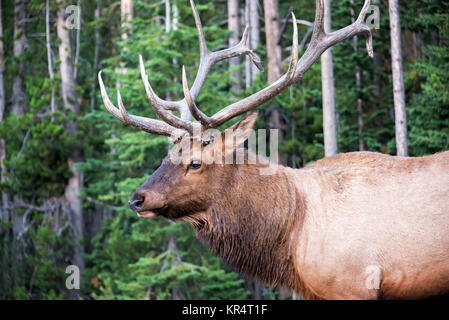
x=195, y=164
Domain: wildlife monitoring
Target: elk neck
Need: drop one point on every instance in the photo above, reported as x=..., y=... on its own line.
x=255, y=223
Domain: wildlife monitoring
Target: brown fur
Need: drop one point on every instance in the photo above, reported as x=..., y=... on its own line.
x=316, y=229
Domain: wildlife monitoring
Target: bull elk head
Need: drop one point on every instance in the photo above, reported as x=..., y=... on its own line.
x=145, y=202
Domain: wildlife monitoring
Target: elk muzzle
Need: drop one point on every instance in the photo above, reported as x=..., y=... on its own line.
x=147, y=204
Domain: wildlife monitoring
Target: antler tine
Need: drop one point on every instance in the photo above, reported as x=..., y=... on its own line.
x=145, y=124
x=208, y=58
x=369, y=36
x=319, y=43
x=294, y=58
x=199, y=27
x=158, y=104
x=197, y=114
x=358, y=27
x=318, y=25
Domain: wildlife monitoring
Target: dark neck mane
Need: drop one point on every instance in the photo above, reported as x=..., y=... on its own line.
x=252, y=225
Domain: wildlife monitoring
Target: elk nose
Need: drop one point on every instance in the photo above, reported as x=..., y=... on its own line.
x=136, y=201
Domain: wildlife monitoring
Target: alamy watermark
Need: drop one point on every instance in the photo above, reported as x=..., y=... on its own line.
x=373, y=277
x=373, y=17
x=72, y=282
x=73, y=20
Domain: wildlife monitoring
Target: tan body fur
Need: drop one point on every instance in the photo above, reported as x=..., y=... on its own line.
x=367, y=209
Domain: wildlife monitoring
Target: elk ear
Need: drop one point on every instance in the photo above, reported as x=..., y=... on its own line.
x=240, y=130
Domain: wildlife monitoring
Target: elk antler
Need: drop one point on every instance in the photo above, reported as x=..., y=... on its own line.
x=187, y=107
x=164, y=108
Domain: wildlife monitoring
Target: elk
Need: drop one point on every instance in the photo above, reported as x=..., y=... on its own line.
x=359, y=225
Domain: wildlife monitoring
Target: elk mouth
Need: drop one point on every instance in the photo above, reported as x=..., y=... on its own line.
x=153, y=213
x=147, y=214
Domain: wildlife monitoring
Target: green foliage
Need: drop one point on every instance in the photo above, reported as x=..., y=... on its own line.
x=428, y=112
x=35, y=171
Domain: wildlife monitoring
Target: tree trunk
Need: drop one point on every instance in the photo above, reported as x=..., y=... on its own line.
x=67, y=69
x=2, y=68
x=49, y=57
x=126, y=14
x=77, y=46
x=20, y=45
x=68, y=86
x=254, y=25
x=398, y=80
x=251, y=19
x=246, y=22
x=72, y=192
x=358, y=84
x=327, y=74
x=167, y=16
x=234, y=26
x=19, y=106
x=272, y=30
x=97, y=15
x=274, y=57
x=4, y=196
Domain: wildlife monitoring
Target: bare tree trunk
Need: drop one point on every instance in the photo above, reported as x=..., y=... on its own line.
x=67, y=69
x=168, y=26
x=254, y=33
x=20, y=45
x=49, y=57
x=68, y=85
x=327, y=74
x=274, y=56
x=5, y=197
x=127, y=14
x=234, y=26
x=19, y=106
x=2, y=68
x=167, y=16
x=417, y=50
x=174, y=26
x=72, y=192
x=175, y=19
x=251, y=19
x=398, y=79
x=77, y=47
x=174, y=249
x=248, y=63
x=97, y=15
x=272, y=29
x=378, y=84
x=358, y=83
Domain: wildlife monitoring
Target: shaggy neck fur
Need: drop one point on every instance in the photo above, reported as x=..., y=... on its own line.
x=252, y=225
